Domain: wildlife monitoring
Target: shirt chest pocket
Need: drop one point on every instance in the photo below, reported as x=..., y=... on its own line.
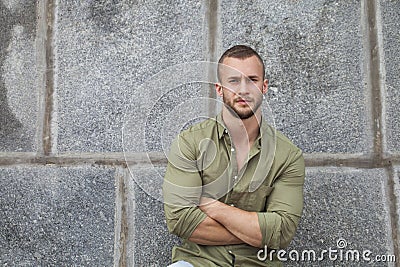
x=252, y=201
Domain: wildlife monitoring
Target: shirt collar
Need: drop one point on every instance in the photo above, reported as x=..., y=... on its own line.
x=221, y=128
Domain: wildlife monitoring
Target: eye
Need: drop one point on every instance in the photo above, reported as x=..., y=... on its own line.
x=233, y=80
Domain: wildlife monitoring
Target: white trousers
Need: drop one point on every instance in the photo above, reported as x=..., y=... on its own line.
x=181, y=264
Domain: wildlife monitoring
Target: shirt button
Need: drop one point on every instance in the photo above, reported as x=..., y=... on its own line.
x=232, y=205
x=234, y=178
x=232, y=149
x=225, y=131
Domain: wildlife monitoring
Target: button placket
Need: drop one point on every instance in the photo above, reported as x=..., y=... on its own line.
x=233, y=171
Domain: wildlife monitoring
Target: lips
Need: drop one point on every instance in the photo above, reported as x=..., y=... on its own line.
x=243, y=101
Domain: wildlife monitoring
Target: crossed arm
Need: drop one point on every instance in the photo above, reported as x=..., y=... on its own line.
x=226, y=225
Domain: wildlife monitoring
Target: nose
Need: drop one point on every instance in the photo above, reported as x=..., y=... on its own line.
x=245, y=86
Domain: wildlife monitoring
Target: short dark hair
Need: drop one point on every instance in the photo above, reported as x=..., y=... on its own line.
x=241, y=52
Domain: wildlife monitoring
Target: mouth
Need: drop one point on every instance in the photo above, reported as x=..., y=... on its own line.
x=243, y=101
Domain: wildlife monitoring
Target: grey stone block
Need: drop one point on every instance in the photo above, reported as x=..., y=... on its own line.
x=313, y=55
x=350, y=205
x=18, y=76
x=396, y=178
x=152, y=244
x=57, y=216
x=151, y=126
x=391, y=35
x=109, y=56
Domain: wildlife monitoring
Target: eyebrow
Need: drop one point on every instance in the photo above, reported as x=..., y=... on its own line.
x=250, y=77
x=253, y=76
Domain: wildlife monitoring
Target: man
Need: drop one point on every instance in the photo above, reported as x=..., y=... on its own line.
x=233, y=184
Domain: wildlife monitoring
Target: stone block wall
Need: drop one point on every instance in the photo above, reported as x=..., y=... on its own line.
x=92, y=92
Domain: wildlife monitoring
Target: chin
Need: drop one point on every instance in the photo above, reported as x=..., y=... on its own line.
x=246, y=116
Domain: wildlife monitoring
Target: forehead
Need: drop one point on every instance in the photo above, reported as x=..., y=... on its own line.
x=235, y=66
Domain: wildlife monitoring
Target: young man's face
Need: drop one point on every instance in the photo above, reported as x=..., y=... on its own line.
x=242, y=85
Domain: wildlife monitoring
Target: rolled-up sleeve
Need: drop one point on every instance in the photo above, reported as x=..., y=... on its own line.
x=182, y=189
x=284, y=205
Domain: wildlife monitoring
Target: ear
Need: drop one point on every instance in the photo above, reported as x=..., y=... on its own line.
x=218, y=89
x=265, y=86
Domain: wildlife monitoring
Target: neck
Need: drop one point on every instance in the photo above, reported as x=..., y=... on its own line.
x=240, y=130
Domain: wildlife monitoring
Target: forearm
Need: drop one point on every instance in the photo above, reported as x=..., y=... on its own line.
x=242, y=224
x=210, y=232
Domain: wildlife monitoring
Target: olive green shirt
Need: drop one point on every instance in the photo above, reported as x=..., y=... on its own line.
x=202, y=162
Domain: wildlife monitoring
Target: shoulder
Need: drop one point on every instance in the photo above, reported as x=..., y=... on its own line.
x=187, y=142
x=288, y=158
x=201, y=129
x=285, y=149
x=284, y=142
